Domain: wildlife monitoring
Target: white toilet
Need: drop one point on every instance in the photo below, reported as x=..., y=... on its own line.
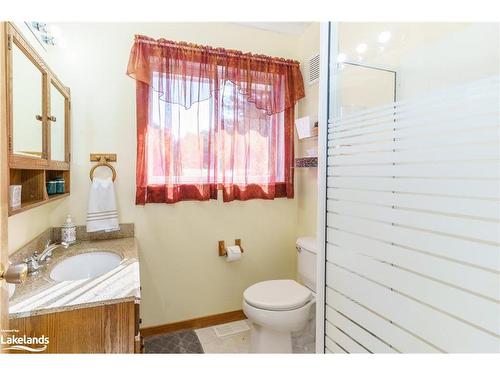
x=276, y=308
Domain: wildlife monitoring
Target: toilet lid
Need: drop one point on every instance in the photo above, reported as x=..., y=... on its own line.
x=277, y=295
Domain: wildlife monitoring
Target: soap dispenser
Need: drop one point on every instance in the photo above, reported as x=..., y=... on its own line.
x=68, y=231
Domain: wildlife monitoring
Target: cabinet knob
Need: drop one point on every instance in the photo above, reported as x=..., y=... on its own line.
x=39, y=117
x=14, y=274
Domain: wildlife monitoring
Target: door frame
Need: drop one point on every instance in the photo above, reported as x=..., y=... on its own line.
x=4, y=177
x=328, y=48
x=330, y=108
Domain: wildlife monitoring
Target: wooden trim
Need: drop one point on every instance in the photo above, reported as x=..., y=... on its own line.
x=7, y=65
x=64, y=91
x=30, y=205
x=55, y=165
x=107, y=157
x=4, y=179
x=47, y=143
x=67, y=128
x=27, y=162
x=59, y=85
x=195, y=323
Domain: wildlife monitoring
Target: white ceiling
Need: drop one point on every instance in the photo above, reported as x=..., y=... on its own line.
x=294, y=28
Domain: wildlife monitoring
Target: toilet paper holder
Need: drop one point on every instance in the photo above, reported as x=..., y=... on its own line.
x=222, y=247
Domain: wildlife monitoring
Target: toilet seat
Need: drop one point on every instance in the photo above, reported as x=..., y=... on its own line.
x=277, y=295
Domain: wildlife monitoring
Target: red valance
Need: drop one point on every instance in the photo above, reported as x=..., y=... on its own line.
x=272, y=84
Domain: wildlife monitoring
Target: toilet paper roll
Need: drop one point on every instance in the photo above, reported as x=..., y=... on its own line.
x=233, y=253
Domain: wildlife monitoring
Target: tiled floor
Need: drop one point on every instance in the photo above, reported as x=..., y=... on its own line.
x=206, y=340
x=235, y=343
x=302, y=342
x=183, y=342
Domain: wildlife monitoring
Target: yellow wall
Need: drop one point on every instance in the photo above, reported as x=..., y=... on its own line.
x=307, y=178
x=182, y=276
x=25, y=226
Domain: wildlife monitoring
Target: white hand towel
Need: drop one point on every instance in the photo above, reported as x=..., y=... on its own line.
x=102, y=214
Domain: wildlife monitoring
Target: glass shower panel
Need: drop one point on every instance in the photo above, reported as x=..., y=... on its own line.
x=413, y=189
x=363, y=87
x=425, y=56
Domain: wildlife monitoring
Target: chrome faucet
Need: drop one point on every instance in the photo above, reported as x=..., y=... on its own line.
x=36, y=261
x=49, y=248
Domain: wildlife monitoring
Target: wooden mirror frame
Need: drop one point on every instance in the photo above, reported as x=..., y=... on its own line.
x=32, y=173
x=23, y=161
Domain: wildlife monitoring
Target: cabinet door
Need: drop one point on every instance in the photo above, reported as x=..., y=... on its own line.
x=27, y=109
x=38, y=109
x=57, y=121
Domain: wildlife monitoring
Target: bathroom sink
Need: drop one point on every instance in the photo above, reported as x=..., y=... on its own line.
x=85, y=266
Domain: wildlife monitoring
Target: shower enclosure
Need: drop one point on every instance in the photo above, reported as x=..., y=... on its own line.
x=409, y=191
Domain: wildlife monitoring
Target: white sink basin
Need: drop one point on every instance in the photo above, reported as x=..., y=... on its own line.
x=85, y=266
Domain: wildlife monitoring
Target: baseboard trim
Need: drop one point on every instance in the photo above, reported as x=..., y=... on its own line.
x=195, y=323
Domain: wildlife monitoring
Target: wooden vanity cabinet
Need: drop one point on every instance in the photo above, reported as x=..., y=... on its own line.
x=38, y=109
x=109, y=328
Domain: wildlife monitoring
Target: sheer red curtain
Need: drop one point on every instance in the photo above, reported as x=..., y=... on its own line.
x=209, y=117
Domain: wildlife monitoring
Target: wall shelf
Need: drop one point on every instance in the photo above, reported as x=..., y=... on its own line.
x=34, y=191
x=306, y=162
x=29, y=205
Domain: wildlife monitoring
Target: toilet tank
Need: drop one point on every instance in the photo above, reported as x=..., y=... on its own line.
x=306, y=261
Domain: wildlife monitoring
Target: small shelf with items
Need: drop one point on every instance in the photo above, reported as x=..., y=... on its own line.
x=56, y=183
x=26, y=189
x=306, y=162
x=30, y=185
x=307, y=134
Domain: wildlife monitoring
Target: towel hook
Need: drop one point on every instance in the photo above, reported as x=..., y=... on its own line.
x=103, y=162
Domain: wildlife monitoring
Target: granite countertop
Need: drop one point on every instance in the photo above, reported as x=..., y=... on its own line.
x=41, y=295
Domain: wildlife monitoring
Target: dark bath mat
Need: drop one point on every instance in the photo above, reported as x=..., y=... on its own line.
x=183, y=342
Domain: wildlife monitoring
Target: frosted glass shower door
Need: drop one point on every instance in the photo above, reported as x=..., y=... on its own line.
x=412, y=197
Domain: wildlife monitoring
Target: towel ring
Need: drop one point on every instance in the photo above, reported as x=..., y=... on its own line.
x=102, y=163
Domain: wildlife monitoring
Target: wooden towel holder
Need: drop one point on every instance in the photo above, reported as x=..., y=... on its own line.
x=103, y=161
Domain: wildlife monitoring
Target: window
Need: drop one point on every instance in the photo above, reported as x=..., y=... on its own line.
x=179, y=141
x=210, y=119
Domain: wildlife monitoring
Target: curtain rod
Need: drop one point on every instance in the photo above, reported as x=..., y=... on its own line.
x=216, y=51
